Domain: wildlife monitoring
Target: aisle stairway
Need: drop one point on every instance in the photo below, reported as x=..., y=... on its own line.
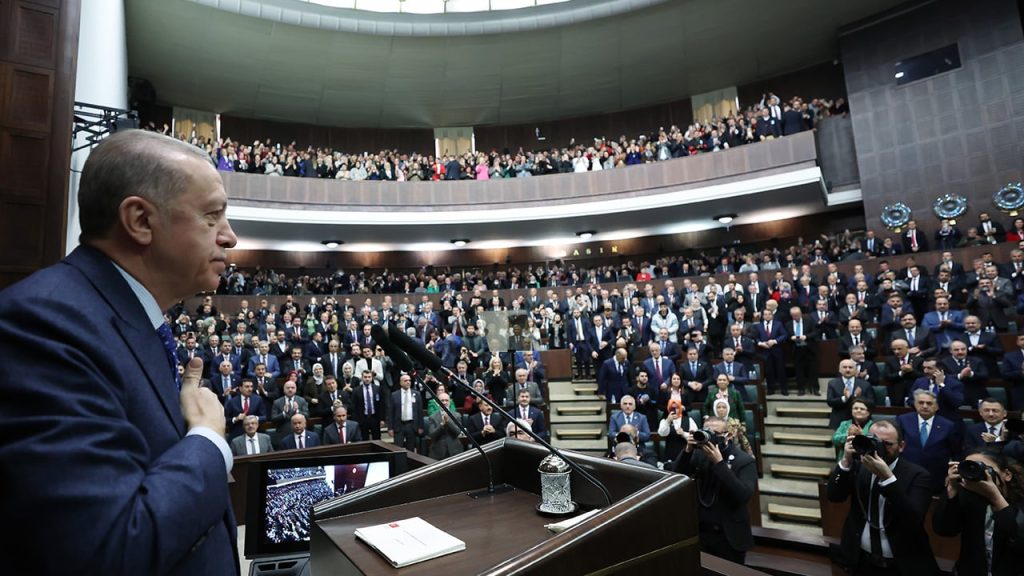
x=579, y=419
x=797, y=455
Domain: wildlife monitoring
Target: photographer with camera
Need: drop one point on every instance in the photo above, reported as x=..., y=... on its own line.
x=726, y=478
x=984, y=504
x=884, y=531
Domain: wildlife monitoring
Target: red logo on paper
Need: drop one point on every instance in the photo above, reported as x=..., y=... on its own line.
x=393, y=525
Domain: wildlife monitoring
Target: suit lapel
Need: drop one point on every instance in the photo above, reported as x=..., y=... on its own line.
x=131, y=323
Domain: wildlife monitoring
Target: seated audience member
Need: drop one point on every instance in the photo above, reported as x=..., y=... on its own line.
x=252, y=441
x=674, y=429
x=626, y=452
x=343, y=430
x=867, y=370
x=469, y=406
x=486, y=425
x=517, y=429
x=987, y=513
x=726, y=479
x=696, y=376
x=889, y=497
x=627, y=416
x=647, y=399
x=521, y=384
x=842, y=391
x=723, y=392
x=444, y=433
x=856, y=336
x=528, y=413
x=859, y=423
x=299, y=438
x=991, y=432
x=931, y=441
x=432, y=405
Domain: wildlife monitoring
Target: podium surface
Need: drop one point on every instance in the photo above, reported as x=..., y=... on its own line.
x=650, y=524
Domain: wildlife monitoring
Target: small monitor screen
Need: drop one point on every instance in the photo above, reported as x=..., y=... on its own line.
x=284, y=493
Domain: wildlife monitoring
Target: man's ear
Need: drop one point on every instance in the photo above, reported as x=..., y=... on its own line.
x=136, y=215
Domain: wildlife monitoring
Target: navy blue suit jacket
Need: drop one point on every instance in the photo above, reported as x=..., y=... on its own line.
x=778, y=334
x=288, y=442
x=610, y=383
x=943, y=446
x=233, y=407
x=102, y=454
x=951, y=395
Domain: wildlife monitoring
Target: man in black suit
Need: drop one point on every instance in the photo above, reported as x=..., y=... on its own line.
x=405, y=417
x=867, y=370
x=366, y=403
x=843, y=390
x=486, y=425
x=741, y=344
x=989, y=430
x=726, y=479
x=901, y=371
x=827, y=321
x=969, y=370
x=856, y=337
x=982, y=344
x=894, y=494
x=919, y=338
x=1012, y=370
x=914, y=240
x=696, y=376
x=343, y=431
x=803, y=337
x=991, y=230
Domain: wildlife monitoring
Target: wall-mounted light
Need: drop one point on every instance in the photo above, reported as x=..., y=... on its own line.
x=332, y=244
x=460, y=242
x=586, y=234
x=725, y=218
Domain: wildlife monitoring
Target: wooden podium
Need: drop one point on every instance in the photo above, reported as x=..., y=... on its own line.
x=650, y=525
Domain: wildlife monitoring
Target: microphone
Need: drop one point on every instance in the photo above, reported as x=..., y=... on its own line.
x=405, y=365
x=430, y=360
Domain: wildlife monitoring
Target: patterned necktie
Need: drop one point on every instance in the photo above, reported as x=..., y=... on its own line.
x=167, y=338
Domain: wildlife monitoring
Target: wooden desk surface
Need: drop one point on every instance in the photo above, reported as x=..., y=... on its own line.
x=494, y=529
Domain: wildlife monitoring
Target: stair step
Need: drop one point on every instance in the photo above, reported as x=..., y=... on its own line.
x=578, y=410
x=579, y=433
x=815, y=472
x=804, y=411
x=770, y=486
x=585, y=390
x=798, y=527
x=592, y=447
x=820, y=424
x=795, y=451
x=797, y=513
x=802, y=438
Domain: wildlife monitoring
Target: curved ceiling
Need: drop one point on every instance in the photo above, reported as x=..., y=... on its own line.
x=213, y=59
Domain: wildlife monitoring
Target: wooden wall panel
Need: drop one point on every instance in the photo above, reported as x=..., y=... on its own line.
x=38, y=53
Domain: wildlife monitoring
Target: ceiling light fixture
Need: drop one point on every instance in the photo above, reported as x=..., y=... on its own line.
x=332, y=243
x=460, y=242
x=725, y=218
x=586, y=234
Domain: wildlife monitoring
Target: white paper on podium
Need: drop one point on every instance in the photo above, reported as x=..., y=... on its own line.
x=409, y=541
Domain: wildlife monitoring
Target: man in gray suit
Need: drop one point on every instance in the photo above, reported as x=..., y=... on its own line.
x=443, y=433
x=287, y=406
x=521, y=383
x=253, y=441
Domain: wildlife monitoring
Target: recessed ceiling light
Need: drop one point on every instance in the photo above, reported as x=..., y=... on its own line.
x=332, y=243
x=725, y=218
x=586, y=234
x=460, y=242
x=899, y=75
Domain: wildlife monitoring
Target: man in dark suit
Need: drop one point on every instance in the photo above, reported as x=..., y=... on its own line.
x=669, y=349
x=443, y=432
x=333, y=360
x=727, y=478
x=366, y=405
x=970, y=371
x=601, y=341
x=948, y=390
x=299, y=438
x=979, y=435
x=914, y=240
x=743, y=345
x=856, y=336
x=486, y=425
x=992, y=231
x=918, y=338
x=770, y=336
x=892, y=492
x=288, y=405
x=982, y=344
x=803, y=336
x=265, y=358
x=659, y=369
x=843, y=390
x=1012, y=370
x=244, y=404
x=901, y=370
x=125, y=442
x=406, y=415
x=226, y=354
x=533, y=416
x=614, y=377
x=696, y=376
x=577, y=333
x=931, y=440
x=736, y=371
x=343, y=431
x=224, y=382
